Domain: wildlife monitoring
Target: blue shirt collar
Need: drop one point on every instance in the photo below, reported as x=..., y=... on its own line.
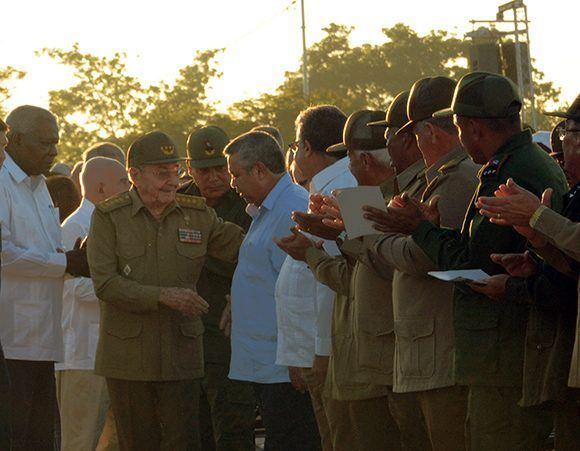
x=275, y=192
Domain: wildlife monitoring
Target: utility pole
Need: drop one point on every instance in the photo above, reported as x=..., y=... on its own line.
x=305, y=81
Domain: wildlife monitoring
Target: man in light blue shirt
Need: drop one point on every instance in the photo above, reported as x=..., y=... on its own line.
x=256, y=166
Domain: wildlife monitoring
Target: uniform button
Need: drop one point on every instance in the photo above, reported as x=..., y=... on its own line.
x=539, y=347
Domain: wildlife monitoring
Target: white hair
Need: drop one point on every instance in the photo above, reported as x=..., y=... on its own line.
x=381, y=156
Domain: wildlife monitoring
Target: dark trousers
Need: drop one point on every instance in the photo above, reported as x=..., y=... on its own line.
x=33, y=404
x=5, y=428
x=288, y=418
x=495, y=421
x=227, y=411
x=155, y=415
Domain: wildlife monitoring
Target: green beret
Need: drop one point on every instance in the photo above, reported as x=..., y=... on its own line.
x=427, y=96
x=358, y=135
x=205, y=147
x=152, y=148
x=397, y=113
x=485, y=95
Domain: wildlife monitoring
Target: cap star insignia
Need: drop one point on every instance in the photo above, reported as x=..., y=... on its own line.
x=209, y=150
x=127, y=270
x=167, y=150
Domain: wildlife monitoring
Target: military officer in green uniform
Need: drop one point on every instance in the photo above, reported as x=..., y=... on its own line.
x=489, y=335
x=227, y=408
x=146, y=250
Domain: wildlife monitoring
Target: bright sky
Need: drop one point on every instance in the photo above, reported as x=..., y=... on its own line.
x=262, y=37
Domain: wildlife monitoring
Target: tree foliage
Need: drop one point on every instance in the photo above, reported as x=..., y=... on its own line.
x=353, y=78
x=107, y=103
x=8, y=75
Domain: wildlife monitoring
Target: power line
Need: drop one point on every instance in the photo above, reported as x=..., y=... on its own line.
x=259, y=25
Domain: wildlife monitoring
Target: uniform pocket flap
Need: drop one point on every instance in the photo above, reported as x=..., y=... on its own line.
x=192, y=329
x=189, y=250
x=123, y=329
x=130, y=250
x=413, y=329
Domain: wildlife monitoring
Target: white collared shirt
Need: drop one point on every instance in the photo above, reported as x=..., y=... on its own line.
x=33, y=267
x=304, y=306
x=80, y=305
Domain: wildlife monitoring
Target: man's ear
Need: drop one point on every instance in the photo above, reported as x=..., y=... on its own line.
x=307, y=147
x=101, y=188
x=189, y=171
x=366, y=159
x=261, y=170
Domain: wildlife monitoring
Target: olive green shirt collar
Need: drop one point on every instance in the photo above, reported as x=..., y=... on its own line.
x=515, y=141
x=413, y=172
x=434, y=170
x=137, y=204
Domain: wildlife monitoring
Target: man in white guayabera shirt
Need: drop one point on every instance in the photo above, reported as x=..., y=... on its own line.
x=82, y=395
x=304, y=306
x=33, y=268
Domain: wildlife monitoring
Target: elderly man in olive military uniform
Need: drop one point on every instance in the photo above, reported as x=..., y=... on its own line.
x=490, y=336
x=146, y=250
x=227, y=407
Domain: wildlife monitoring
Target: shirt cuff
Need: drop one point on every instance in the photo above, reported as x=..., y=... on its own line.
x=323, y=346
x=56, y=265
x=314, y=255
x=150, y=298
x=536, y=219
x=420, y=235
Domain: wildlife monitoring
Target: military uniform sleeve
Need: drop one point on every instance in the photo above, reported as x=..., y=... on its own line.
x=334, y=272
x=111, y=286
x=560, y=231
x=224, y=240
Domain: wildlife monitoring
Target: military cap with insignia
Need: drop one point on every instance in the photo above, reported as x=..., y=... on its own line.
x=357, y=135
x=572, y=113
x=396, y=115
x=205, y=147
x=427, y=96
x=152, y=148
x=484, y=95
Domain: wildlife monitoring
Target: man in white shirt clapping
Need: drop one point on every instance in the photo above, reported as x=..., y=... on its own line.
x=82, y=395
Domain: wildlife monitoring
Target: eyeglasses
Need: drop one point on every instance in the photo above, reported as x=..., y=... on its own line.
x=562, y=132
x=293, y=146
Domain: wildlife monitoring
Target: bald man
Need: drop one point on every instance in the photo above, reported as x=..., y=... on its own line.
x=82, y=396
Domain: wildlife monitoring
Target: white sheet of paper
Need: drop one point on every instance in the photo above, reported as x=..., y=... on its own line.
x=351, y=201
x=462, y=275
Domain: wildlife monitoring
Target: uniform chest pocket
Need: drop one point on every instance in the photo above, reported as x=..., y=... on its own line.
x=190, y=260
x=132, y=261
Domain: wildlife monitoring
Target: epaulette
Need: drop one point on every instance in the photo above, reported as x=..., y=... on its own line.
x=452, y=163
x=185, y=200
x=492, y=168
x=120, y=200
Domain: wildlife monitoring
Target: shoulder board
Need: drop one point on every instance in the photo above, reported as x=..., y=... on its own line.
x=452, y=163
x=492, y=168
x=118, y=201
x=185, y=200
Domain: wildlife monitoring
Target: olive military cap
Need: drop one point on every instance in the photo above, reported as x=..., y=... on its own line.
x=572, y=113
x=397, y=113
x=485, y=95
x=427, y=96
x=152, y=148
x=357, y=135
x=205, y=147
